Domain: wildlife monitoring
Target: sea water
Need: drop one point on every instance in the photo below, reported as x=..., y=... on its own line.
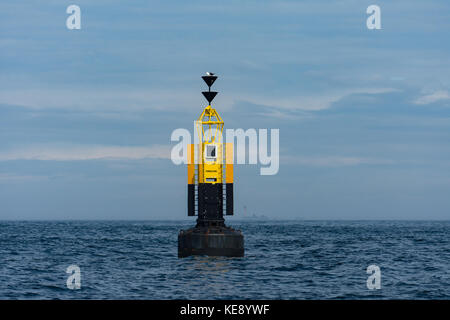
x=283, y=260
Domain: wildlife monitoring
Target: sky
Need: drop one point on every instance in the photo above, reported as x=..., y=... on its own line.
x=86, y=115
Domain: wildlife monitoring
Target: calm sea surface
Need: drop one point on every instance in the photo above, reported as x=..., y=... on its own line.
x=283, y=260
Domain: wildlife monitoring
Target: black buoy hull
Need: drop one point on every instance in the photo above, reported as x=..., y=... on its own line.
x=212, y=241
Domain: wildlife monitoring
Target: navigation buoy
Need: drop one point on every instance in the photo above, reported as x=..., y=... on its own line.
x=210, y=188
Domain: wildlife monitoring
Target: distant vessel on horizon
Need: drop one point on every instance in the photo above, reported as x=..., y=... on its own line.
x=256, y=217
x=253, y=216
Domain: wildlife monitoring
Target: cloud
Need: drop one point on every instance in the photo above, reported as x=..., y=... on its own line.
x=314, y=102
x=10, y=177
x=433, y=97
x=92, y=152
x=99, y=99
x=112, y=99
x=109, y=101
x=333, y=161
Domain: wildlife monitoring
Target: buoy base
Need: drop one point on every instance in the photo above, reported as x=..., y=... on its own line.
x=211, y=241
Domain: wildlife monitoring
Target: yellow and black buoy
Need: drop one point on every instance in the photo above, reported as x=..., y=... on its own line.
x=210, y=188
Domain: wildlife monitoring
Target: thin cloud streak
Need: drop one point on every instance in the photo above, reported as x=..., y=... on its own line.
x=93, y=152
x=433, y=97
x=316, y=102
x=334, y=161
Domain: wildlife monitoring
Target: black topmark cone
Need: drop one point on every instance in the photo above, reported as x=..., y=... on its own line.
x=209, y=95
x=209, y=80
x=210, y=190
